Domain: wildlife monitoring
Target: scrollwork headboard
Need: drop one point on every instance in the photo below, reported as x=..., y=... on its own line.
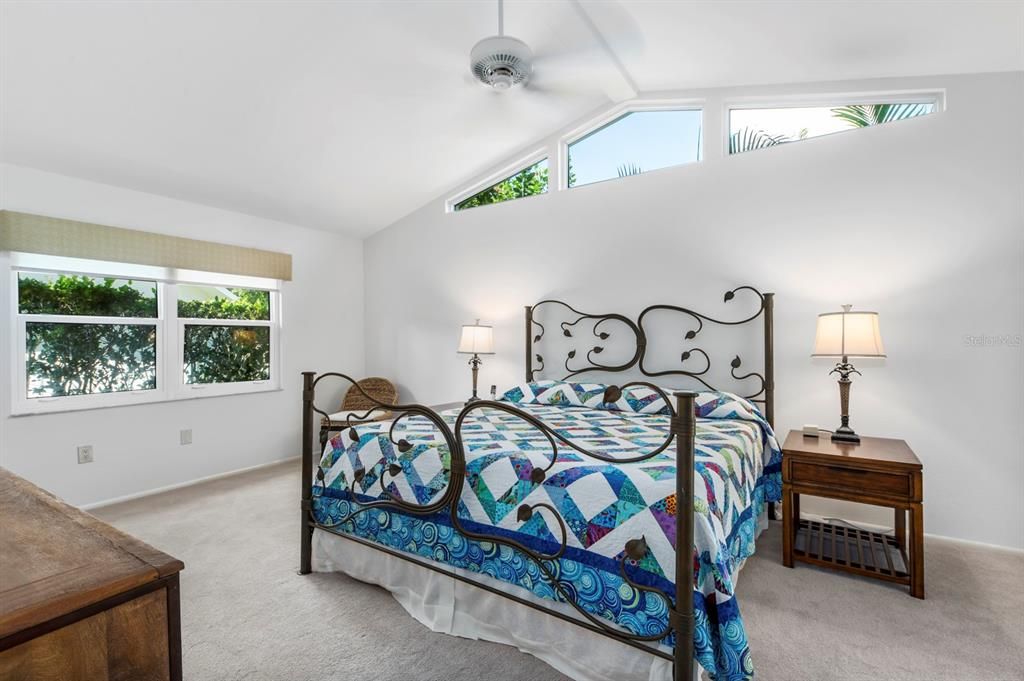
x=578, y=361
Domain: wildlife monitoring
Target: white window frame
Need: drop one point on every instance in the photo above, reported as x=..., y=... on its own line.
x=169, y=328
x=614, y=114
x=211, y=389
x=929, y=96
x=504, y=173
x=715, y=118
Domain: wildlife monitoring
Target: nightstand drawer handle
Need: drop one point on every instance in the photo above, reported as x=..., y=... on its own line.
x=841, y=469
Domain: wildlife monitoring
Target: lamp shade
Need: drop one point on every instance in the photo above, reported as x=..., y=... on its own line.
x=848, y=334
x=477, y=339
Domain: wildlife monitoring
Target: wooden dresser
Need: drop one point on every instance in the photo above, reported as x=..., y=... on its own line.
x=80, y=600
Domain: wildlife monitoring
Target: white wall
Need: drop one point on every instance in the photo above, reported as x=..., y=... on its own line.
x=921, y=220
x=137, y=448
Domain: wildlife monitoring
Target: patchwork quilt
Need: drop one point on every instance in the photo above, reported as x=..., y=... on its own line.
x=603, y=505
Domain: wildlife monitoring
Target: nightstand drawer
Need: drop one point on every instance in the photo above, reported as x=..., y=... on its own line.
x=860, y=480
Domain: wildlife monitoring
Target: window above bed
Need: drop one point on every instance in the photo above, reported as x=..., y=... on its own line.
x=633, y=143
x=92, y=334
x=531, y=180
x=654, y=133
x=759, y=127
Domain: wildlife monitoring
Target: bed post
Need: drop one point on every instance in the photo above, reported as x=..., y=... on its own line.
x=769, y=371
x=684, y=427
x=529, y=343
x=769, y=358
x=306, y=538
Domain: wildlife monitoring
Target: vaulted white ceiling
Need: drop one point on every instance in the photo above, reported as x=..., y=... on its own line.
x=348, y=115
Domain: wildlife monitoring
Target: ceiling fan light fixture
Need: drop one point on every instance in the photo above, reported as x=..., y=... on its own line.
x=501, y=62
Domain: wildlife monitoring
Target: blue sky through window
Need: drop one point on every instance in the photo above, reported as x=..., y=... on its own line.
x=790, y=124
x=645, y=139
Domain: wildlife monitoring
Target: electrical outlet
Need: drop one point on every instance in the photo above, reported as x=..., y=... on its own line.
x=85, y=454
x=186, y=436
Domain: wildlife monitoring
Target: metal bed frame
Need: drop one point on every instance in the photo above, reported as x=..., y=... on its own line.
x=681, y=431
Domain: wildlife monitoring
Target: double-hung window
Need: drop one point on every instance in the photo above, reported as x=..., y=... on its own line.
x=225, y=336
x=92, y=334
x=85, y=336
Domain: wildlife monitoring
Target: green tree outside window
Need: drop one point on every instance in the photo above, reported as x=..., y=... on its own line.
x=527, y=182
x=65, y=359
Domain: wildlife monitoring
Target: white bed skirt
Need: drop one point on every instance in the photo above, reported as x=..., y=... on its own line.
x=450, y=606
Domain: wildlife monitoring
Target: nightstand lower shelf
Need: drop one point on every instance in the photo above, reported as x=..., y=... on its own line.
x=850, y=549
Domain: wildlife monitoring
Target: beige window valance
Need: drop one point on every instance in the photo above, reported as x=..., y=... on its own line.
x=27, y=233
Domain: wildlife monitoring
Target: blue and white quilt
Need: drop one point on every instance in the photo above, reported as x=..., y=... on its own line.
x=602, y=504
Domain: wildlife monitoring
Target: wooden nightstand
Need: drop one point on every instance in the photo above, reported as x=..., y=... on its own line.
x=877, y=471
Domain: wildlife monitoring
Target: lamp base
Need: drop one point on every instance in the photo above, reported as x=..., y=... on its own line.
x=474, y=362
x=845, y=434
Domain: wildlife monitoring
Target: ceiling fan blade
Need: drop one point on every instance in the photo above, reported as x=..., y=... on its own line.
x=561, y=89
x=600, y=27
x=614, y=23
x=586, y=73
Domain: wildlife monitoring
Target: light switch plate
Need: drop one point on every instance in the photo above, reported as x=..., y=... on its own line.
x=85, y=454
x=186, y=436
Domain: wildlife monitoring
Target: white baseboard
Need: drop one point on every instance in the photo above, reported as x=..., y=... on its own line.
x=187, y=483
x=958, y=540
x=879, y=528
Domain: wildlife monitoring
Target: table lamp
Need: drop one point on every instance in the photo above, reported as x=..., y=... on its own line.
x=847, y=334
x=477, y=339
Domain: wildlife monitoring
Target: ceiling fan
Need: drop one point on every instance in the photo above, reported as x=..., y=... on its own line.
x=501, y=62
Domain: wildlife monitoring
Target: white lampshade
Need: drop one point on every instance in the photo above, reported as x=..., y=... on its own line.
x=477, y=339
x=850, y=334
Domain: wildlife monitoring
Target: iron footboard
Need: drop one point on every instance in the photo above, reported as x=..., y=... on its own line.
x=681, y=433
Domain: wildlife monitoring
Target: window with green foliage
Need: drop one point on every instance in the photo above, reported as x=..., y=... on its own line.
x=93, y=340
x=80, y=340
x=210, y=302
x=758, y=128
x=86, y=359
x=61, y=294
x=529, y=181
x=224, y=351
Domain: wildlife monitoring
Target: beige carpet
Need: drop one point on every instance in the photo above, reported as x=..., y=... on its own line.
x=246, y=614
